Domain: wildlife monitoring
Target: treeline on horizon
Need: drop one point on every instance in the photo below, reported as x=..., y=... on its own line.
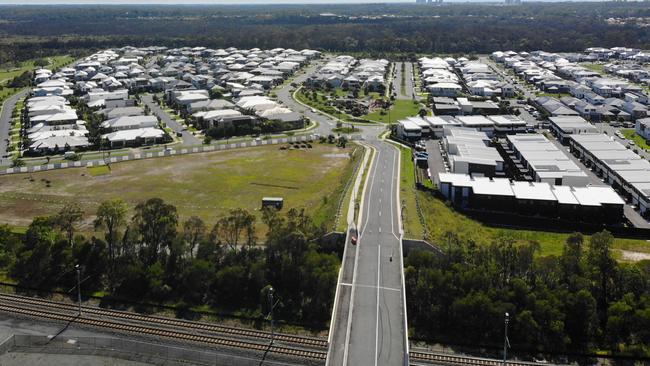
x=32, y=31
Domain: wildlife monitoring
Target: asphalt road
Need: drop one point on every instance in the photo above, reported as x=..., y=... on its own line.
x=5, y=124
x=369, y=325
x=375, y=332
x=188, y=139
x=508, y=78
x=284, y=95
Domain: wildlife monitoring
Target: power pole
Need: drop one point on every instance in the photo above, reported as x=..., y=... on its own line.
x=78, y=286
x=506, y=343
x=271, y=305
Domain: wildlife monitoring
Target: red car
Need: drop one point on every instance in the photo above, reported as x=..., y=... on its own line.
x=353, y=236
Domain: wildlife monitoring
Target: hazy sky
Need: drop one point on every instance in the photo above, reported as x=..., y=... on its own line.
x=240, y=2
x=27, y=2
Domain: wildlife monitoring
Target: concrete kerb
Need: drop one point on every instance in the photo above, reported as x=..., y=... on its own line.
x=350, y=219
x=336, y=299
x=401, y=249
x=356, y=259
x=355, y=190
x=365, y=185
x=401, y=254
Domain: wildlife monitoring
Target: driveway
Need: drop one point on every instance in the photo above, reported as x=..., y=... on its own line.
x=188, y=139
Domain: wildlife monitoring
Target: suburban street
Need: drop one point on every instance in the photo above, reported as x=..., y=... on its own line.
x=284, y=95
x=508, y=78
x=188, y=138
x=5, y=124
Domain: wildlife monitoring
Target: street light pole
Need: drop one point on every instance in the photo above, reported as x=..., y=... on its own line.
x=271, y=304
x=78, y=286
x=505, y=339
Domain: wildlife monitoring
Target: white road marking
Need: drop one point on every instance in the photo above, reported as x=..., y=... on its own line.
x=370, y=286
x=377, y=321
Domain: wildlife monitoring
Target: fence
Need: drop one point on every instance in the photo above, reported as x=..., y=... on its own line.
x=514, y=220
x=157, y=154
x=127, y=349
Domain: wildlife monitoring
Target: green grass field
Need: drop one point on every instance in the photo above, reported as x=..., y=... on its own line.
x=599, y=68
x=440, y=218
x=320, y=105
x=6, y=74
x=412, y=226
x=206, y=185
x=400, y=110
x=630, y=134
x=553, y=95
x=97, y=171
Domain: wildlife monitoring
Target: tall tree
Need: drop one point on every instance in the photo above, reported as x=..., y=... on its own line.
x=193, y=232
x=111, y=215
x=68, y=218
x=237, y=226
x=602, y=266
x=156, y=223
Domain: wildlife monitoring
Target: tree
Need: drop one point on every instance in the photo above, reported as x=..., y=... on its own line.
x=571, y=259
x=193, y=232
x=111, y=215
x=68, y=218
x=17, y=163
x=342, y=142
x=156, y=223
x=238, y=225
x=33, y=265
x=602, y=266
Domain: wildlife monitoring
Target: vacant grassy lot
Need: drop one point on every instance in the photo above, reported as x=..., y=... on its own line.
x=401, y=109
x=206, y=185
x=599, y=68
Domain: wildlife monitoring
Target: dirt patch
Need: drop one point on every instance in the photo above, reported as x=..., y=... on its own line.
x=631, y=256
x=339, y=156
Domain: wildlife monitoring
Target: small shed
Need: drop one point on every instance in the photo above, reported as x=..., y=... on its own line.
x=275, y=202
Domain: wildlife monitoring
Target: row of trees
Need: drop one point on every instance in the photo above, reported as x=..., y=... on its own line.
x=152, y=257
x=461, y=28
x=580, y=301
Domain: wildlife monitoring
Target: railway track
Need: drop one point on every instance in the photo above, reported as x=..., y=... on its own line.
x=201, y=326
x=184, y=330
x=152, y=327
x=457, y=360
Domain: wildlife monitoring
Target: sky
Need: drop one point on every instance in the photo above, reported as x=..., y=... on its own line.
x=188, y=2
x=229, y=2
x=175, y=2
